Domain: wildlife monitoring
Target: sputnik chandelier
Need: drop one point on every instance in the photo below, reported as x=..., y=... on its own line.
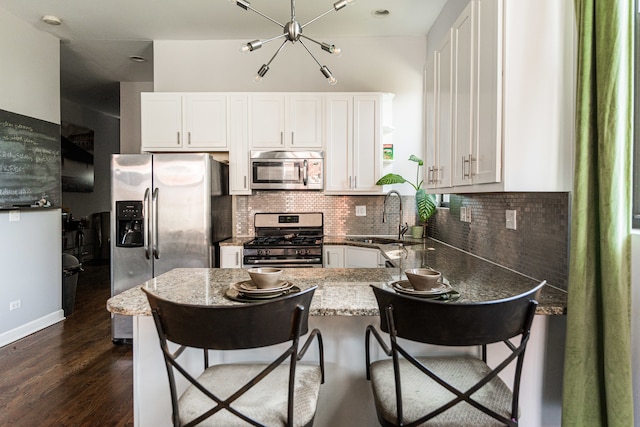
x=292, y=32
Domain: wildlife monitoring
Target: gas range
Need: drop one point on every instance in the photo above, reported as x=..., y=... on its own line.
x=285, y=240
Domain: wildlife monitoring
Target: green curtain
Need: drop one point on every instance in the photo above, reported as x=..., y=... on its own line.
x=597, y=388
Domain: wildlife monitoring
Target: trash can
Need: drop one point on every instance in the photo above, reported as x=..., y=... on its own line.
x=70, y=269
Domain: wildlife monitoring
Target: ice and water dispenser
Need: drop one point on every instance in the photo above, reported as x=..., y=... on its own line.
x=129, y=224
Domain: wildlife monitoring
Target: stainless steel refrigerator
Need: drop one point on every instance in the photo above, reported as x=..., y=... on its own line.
x=167, y=211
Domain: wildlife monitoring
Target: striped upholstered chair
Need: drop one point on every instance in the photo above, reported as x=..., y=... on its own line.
x=457, y=389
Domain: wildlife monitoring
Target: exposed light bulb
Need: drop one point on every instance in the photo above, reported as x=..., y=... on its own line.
x=261, y=72
x=245, y=48
x=336, y=51
x=332, y=81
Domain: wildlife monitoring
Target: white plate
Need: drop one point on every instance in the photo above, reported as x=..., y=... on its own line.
x=250, y=288
x=404, y=287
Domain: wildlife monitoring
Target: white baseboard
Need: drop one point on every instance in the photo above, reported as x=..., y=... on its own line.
x=31, y=327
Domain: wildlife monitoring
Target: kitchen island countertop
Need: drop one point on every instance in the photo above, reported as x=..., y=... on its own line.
x=345, y=291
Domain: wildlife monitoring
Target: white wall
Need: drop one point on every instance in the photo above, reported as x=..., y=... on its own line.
x=30, y=254
x=372, y=64
x=130, y=115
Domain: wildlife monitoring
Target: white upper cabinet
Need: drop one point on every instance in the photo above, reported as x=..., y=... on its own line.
x=239, y=144
x=282, y=121
x=353, y=159
x=183, y=122
x=438, y=106
x=477, y=98
x=512, y=98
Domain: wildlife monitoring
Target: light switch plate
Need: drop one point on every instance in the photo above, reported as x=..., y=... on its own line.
x=510, y=216
x=14, y=216
x=361, y=211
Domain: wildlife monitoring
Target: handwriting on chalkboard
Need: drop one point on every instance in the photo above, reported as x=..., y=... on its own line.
x=29, y=161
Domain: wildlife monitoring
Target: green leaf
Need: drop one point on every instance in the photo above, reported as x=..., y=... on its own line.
x=418, y=160
x=426, y=204
x=391, y=178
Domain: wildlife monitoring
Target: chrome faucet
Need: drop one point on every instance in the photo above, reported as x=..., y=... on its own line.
x=401, y=229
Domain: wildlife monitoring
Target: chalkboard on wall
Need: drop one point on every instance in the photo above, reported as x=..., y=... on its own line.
x=29, y=161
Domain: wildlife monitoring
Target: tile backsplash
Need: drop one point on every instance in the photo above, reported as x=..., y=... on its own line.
x=339, y=211
x=539, y=247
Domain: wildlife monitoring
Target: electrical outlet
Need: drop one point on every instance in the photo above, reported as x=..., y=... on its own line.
x=510, y=216
x=465, y=214
x=14, y=305
x=361, y=211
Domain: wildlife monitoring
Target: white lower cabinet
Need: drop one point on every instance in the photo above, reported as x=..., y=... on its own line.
x=230, y=256
x=356, y=257
x=333, y=256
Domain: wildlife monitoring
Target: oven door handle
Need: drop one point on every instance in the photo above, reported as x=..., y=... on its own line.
x=284, y=261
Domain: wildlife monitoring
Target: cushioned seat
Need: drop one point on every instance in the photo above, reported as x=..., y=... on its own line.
x=458, y=389
x=279, y=393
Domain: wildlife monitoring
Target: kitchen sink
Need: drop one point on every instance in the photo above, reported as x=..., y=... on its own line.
x=381, y=241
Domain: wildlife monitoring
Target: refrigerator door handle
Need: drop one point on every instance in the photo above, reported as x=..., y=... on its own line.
x=146, y=214
x=156, y=252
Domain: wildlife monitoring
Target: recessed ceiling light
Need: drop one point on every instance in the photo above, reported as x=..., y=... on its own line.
x=51, y=20
x=138, y=58
x=380, y=13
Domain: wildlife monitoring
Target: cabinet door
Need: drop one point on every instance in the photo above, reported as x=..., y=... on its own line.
x=360, y=257
x=339, y=131
x=487, y=152
x=267, y=121
x=161, y=121
x=444, y=101
x=304, y=128
x=238, y=145
x=463, y=96
x=205, y=118
x=430, y=117
x=367, y=150
x=333, y=256
x=230, y=256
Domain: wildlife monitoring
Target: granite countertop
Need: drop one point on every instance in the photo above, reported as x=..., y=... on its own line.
x=345, y=291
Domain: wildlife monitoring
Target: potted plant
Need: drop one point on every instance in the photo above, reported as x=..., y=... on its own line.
x=425, y=203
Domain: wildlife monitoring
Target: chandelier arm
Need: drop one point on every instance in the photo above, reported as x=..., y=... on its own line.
x=277, y=52
x=265, y=16
x=311, y=40
x=273, y=38
x=318, y=17
x=314, y=58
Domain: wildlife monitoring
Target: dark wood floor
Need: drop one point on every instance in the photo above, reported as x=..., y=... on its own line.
x=70, y=374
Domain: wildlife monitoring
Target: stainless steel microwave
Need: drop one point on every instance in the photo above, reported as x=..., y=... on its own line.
x=287, y=170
